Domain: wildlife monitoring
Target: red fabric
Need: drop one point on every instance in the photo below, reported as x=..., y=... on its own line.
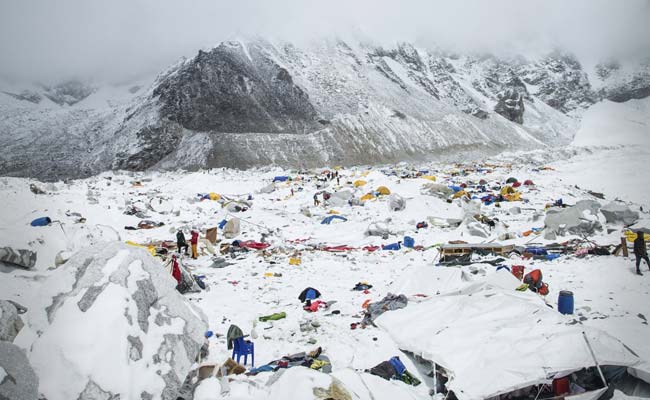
x=250, y=244
x=371, y=248
x=535, y=275
x=338, y=248
x=516, y=185
x=176, y=271
x=195, y=237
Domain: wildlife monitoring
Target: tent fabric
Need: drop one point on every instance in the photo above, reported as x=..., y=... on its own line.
x=367, y=196
x=383, y=190
x=396, y=202
x=617, y=212
x=280, y=179
x=328, y=220
x=42, y=221
x=232, y=228
x=359, y=183
x=496, y=341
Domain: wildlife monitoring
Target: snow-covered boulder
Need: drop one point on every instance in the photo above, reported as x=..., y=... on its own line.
x=17, y=378
x=396, y=202
x=10, y=321
x=117, y=328
x=17, y=257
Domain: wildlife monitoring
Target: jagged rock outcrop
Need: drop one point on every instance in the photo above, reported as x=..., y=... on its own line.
x=68, y=93
x=511, y=106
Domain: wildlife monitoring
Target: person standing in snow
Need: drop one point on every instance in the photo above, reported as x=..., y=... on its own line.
x=180, y=242
x=194, y=241
x=316, y=202
x=640, y=251
x=176, y=271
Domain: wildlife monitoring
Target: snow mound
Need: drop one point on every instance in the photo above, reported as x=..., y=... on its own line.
x=610, y=124
x=118, y=327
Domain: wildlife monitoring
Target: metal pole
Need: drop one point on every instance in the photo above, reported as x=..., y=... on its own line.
x=602, y=377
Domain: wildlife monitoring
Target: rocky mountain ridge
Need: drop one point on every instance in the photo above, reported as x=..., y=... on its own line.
x=254, y=103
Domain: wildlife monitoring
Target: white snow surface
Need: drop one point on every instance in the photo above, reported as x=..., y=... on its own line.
x=610, y=299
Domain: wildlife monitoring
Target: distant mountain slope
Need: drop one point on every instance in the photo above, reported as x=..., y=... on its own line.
x=252, y=103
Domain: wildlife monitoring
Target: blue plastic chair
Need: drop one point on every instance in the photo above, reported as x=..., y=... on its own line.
x=243, y=347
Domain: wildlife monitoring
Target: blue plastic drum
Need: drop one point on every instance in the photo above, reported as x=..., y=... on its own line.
x=565, y=302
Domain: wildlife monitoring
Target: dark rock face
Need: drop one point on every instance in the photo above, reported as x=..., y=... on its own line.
x=638, y=88
x=155, y=142
x=26, y=95
x=223, y=91
x=511, y=106
x=68, y=93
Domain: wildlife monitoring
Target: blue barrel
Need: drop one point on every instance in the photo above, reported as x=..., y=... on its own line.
x=565, y=302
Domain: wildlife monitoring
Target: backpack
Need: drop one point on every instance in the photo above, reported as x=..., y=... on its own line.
x=398, y=365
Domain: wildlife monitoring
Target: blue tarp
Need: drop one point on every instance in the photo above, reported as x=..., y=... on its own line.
x=280, y=179
x=392, y=246
x=455, y=188
x=328, y=220
x=222, y=223
x=42, y=221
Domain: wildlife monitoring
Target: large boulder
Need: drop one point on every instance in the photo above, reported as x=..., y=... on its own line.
x=117, y=329
x=17, y=378
x=616, y=212
x=10, y=321
x=17, y=257
x=580, y=219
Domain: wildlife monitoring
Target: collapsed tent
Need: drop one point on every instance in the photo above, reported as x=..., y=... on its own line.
x=340, y=198
x=581, y=219
x=281, y=179
x=359, y=183
x=236, y=206
x=328, y=220
x=616, y=212
x=378, y=229
x=495, y=342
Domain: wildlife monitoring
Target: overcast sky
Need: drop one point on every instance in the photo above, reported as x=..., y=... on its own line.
x=117, y=40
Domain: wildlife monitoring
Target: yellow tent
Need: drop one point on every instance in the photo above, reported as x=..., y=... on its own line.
x=367, y=196
x=383, y=190
x=507, y=190
x=333, y=212
x=359, y=183
x=294, y=261
x=513, y=197
x=214, y=196
x=429, y=177
x=631, y=236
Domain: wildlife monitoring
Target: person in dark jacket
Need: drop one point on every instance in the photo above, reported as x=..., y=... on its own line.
x=181, y=243
x=640, y=251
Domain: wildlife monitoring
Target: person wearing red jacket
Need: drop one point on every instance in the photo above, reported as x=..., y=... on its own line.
x=176, y=271
x=194, y=241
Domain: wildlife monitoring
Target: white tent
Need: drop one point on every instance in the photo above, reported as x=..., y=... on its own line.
x=495, y=341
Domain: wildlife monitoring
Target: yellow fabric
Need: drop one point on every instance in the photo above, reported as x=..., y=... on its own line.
x=359, y=183
x=429, y=177
x=294, y=261
x=338, y=168
x=367, y=196
x=365, y=173
x=383, y=190
x=150, y=249
x=318, y=364
x=214, y=196
x=513, y=197
x=195, y=253
x=507, y=190
x=268, y=274
x=631, y=236
x=460, y=193
x=333, y=212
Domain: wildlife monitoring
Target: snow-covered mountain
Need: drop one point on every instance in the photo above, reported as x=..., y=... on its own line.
x=249, y=103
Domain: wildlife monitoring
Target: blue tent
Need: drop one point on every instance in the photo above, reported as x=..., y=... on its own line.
x=455, y=188
x=392, y=246
x=328, y=220
x=280, y=179
x=42, y=221
x=409, y=242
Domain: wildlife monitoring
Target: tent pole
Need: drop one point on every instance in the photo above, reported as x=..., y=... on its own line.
x=602, y=377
